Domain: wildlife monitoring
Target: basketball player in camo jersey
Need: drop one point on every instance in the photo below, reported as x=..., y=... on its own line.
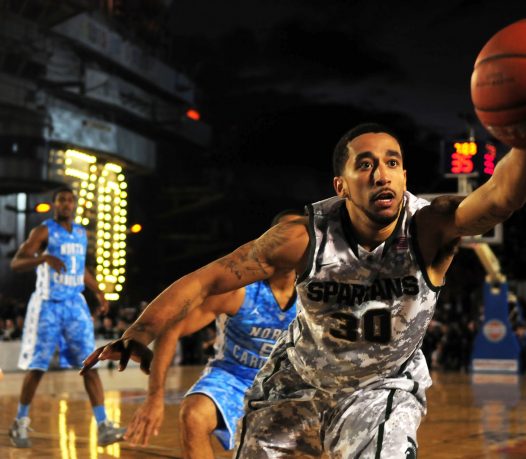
x=349, y=379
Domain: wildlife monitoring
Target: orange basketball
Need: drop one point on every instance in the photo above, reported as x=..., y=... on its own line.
x=498, y=85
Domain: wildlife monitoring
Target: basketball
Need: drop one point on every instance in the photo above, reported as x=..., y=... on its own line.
x=498, y=85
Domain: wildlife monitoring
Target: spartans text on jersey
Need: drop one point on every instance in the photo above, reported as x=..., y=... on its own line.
x=355, y=294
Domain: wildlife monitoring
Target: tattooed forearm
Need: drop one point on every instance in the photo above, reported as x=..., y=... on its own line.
x=182, y=313
x=231, y=266
x=258, y=258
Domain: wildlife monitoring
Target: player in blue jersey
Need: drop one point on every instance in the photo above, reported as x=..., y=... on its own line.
x=57, y=313
x=249, y=321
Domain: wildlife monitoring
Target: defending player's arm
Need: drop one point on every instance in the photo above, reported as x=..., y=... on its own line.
x=148, y=418
x=92, y=284
x=29, y=255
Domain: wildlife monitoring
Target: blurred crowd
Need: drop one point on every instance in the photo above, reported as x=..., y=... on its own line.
x=447, y=345
x=12, y=313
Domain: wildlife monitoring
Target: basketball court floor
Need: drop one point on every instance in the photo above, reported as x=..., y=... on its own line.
x=468, y=417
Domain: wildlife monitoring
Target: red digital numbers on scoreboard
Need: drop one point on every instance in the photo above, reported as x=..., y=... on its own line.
x=467, y=157
x=489, y=159
x=462, y=157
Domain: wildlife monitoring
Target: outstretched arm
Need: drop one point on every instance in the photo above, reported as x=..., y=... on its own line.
x=283, y=247
x=495, y=201
x=148, y=418
x=441, y=225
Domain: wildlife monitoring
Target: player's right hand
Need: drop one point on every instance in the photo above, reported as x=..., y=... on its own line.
x=121, y=350
x=146, y=421
x=56, y=263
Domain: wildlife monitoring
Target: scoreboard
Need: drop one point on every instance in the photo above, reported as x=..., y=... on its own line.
x=468, y=157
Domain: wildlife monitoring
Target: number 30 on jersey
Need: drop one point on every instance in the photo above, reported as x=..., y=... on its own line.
x=373, y=326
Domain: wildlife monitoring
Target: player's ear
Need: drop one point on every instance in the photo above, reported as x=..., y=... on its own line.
x=340, y=187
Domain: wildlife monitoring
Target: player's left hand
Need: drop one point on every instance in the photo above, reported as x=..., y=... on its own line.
x=146, y=421
x=104, y=305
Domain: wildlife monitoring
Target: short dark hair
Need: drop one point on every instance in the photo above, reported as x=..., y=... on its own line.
x=278, y=216
x=341, y=152
x=62, y=189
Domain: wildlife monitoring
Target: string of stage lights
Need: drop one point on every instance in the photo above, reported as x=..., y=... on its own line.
x=102, y=209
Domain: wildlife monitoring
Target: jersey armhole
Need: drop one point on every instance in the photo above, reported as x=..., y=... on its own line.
x=312, y=246
x=419, y=257
x=242, y=302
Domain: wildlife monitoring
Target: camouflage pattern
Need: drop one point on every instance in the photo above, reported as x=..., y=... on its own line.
x=388, y=282
x=348, y=380
x=286, y=417
x=48, y=324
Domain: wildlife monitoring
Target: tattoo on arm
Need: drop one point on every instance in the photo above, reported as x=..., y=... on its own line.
x=182, y=313
x=231, y=266
x=251, y=258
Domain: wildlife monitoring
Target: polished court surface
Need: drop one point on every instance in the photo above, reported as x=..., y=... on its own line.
x=468, y=417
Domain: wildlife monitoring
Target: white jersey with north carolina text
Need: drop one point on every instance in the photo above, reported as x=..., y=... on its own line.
x=362, y=315
x=71, y=249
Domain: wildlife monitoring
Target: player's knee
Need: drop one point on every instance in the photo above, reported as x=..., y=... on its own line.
x=193, y=418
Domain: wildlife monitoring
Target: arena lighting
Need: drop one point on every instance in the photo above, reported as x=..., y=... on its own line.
x=110, y=202
x=76, y=173
x=42, y=207
x=193, y=114
x=81, y=156
x=136, y=228
x=113, y=167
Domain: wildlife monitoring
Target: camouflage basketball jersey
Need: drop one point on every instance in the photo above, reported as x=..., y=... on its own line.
x=361, y=315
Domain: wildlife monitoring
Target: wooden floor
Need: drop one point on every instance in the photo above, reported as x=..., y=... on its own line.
x=468, y=417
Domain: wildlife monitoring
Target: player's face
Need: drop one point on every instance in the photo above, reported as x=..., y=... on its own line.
x=374, y=179
x=64, y=205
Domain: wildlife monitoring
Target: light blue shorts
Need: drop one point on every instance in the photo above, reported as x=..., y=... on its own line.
x=48, y=324
x=227, y=391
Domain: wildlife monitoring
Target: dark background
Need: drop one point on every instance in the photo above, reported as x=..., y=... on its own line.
x=280, y=82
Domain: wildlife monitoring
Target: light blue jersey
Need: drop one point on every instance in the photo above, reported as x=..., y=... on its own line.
x=245, y=340
x=57, y=313
x=71, y=249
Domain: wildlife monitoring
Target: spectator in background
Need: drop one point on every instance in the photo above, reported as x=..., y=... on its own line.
x=121, y=327
x=107, y=329
x=11, y=332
